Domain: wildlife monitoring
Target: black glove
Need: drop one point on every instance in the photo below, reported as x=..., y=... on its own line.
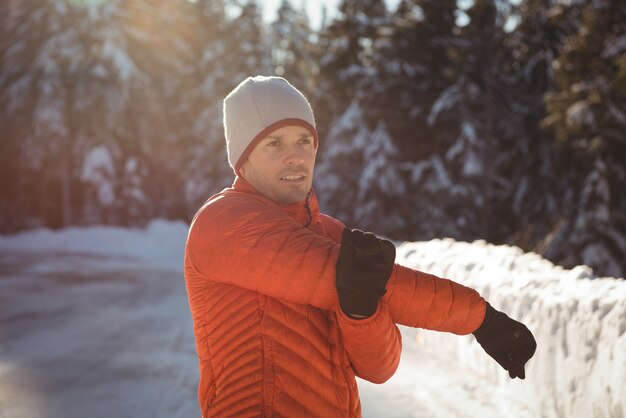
x=363, y=268
x=509, y=342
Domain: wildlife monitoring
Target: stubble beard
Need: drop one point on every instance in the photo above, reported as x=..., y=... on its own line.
x=295, y=195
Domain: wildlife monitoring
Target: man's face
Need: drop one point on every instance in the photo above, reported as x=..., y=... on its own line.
x=281, y=165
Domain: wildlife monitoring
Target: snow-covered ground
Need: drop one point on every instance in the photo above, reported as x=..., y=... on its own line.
x=94, y=322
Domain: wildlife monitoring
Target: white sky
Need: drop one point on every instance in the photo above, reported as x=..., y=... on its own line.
x=313, y=8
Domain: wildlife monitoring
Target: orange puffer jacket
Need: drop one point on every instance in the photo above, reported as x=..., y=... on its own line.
x=270, y=337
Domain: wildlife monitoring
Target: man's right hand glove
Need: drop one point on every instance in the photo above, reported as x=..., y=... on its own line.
x=509, y=342
x=364, y=265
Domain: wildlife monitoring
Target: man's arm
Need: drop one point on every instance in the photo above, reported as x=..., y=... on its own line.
x=444, y=305
x=250, y=244
x=372, y=340
x=244, y=241
x=373, y=344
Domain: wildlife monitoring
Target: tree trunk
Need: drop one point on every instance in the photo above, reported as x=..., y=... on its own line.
x=66, y=183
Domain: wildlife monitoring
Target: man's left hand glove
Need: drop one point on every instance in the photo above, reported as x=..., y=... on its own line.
x=509, y=342
x=364, y=265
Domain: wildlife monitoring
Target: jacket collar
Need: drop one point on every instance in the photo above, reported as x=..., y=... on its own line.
x=306, y=212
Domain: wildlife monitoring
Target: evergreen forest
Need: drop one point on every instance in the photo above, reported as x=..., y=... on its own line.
x=487, y=119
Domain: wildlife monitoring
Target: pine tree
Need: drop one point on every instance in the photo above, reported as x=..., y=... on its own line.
x=587, y=114
x=415, y=64
x=292, y=47
x=533, y=206
x=248, y=50
x=345, y=58
x=14, y=204
x=440, y=90
x=357, y=175
x=380, y=186
x=158, y=39
x=482, y=155
x=79, y=76
x=413, y=93
x=229, y=50
x=199, y=106
x=339, y=164
x=346, y=108
x=41, y=70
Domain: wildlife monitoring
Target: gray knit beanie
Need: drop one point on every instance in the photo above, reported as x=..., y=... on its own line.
x=258, y=106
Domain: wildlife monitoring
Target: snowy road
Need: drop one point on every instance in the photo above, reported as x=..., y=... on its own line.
x=431, y=384
x=97, y=336
x=83, y=337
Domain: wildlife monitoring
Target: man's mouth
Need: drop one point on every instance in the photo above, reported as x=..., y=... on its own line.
x=293, y=177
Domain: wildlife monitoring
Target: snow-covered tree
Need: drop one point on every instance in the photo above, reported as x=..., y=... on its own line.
x=488, y=137
x=248, y=49
x=597, y=238
x=111, y=111
x=339, y=164
x=345, y=58
x=231, y=45
x=587, y=114
x=292, y=46
x=439, y=89
x=357, y=174
x=99, y=172
x=414, y=60
x=199, y=106
x=532, y=203
x=79, y=76
x=381, y=188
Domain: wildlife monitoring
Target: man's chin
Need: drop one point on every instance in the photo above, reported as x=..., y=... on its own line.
x=294, y=196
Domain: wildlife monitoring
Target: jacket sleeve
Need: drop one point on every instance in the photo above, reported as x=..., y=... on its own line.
x=244, y=242
x=422, y=300
x=373, y=344
x=247, y=243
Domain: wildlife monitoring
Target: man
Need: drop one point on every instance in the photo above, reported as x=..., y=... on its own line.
x=288, y=304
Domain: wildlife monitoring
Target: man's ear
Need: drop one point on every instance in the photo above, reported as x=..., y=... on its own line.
x=242, y=170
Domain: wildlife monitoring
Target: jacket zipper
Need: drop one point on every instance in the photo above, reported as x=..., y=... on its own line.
x=308, y=209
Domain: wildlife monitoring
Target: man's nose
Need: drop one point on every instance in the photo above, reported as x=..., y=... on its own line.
x=294, y=156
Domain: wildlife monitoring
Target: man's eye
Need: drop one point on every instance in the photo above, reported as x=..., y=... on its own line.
x=273, y=144
x=305, y=140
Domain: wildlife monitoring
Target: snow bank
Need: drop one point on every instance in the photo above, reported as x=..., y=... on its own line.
x=579, y=322
x=162, y=243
